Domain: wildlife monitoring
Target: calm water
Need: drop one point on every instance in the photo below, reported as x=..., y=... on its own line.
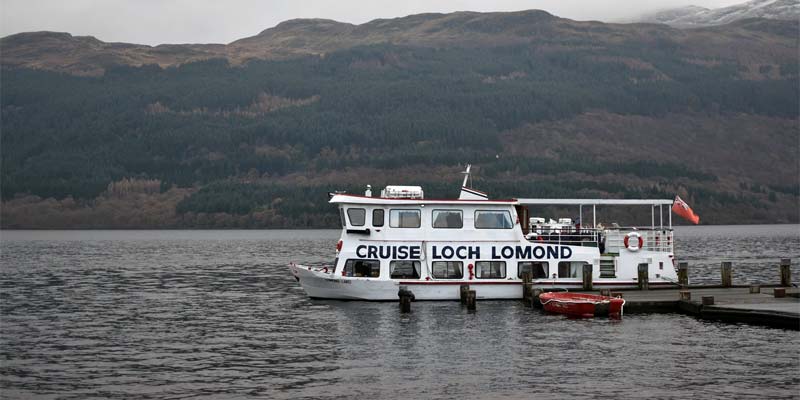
x=215, y=314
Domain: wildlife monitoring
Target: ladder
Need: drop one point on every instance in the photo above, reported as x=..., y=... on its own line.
x=607, y=267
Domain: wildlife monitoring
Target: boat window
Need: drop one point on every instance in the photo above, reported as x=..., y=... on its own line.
x=490, y=269
x=538, y=270
x=404, y=218
x=362, y=268
x=493, y=220
x=357, y=216
x=448, y=269
x=404, y=269
x=377, y=217
x=570, y=269
x=447, y=219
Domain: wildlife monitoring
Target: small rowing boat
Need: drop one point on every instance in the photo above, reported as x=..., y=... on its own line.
x=581, y=304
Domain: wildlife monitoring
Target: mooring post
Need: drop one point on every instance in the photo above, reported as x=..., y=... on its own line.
x=526, y=287
x=786, y=272
x=755, y=289
x=708, y=300
x=587, y=276
x=779, y=292
x=471, y=300
x=683, y=273
x=726, y=274
x=464, y=290
x=405, y=299
x=535, y=302
x=643, y=280
x=685, y=295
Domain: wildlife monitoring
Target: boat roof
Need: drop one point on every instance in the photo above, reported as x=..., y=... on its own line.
x=341, y=198
x=597, y=202
x=358, y=199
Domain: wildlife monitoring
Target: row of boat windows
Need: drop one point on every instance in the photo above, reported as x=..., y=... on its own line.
x=411, y=269
x=446, y=219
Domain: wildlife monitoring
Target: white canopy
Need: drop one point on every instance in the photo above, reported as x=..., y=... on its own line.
x=598, y=202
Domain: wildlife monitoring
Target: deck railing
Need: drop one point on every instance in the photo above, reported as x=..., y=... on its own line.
x=652, y=239
x=612, y=240
x=566, y=236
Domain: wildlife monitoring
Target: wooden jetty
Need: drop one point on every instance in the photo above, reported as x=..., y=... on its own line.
x=770, y=305
x=775, y=305
x=729, y=304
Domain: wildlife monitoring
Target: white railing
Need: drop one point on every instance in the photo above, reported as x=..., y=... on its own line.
x=652, y=239
x=565, y=236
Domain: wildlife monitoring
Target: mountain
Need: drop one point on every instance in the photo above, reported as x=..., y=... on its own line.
x=694, y=16
x=254, y=133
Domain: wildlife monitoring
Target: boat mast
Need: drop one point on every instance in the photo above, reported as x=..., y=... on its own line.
x=466, y=175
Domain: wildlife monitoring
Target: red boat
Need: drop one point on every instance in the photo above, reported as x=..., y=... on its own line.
x=581, y=304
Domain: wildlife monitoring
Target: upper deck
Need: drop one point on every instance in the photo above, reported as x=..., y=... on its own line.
x=470, y=220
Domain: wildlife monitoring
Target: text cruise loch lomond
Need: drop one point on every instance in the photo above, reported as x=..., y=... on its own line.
x=434, y=246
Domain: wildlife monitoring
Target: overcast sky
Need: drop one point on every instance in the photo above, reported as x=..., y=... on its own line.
x=219, y=21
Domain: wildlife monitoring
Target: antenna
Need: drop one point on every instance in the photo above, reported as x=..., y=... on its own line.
x=466, y=175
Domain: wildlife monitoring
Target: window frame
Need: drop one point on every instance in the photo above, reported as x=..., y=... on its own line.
x=546, y=270
x=578, y=271
x=353, y=260
x=357, y=209
x=505, y=269
x=475, y=218
x=419, y=214
x=382, y=218
x=460, y=216
x=461, y=268
x=416, y=266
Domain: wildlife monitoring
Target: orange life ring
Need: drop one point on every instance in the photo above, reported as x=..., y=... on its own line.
x=629, y=246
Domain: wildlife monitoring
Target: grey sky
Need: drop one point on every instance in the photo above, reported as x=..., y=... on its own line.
x=211, y=21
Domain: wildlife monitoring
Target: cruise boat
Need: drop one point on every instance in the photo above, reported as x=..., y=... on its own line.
x=433, y=246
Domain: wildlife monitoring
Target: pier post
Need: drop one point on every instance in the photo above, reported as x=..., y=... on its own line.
x=464, y=290
x=708, y=300
x=726, y=274
x=685, y=295
x=587, y=276
x=471, y=300
x=406, y=296
x=526, y=287
x=535, y=302
x=786, y=272
x=779, y=293
x=755, y=289
x=605, y=292
x=683, y=273
x=644, y=282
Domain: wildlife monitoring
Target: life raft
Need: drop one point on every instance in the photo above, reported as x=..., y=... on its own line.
x=581, y=304
x=639, y=241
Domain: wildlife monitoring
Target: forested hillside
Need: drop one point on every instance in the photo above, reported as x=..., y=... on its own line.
x=542, y=106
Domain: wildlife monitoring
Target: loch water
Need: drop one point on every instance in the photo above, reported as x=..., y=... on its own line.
x=216, y=314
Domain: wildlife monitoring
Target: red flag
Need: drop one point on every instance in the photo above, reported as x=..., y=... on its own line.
x=681, y=208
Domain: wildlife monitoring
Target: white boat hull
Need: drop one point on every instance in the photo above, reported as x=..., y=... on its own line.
x=322, y=284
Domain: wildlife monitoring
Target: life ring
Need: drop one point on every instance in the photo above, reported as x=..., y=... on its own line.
x=628, y=244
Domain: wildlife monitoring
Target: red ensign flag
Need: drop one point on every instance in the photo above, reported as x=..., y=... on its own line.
x=681, y=208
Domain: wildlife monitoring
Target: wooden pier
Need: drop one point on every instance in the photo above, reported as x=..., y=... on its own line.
x=730, y=304
x=775, y=305
x=771, y=305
